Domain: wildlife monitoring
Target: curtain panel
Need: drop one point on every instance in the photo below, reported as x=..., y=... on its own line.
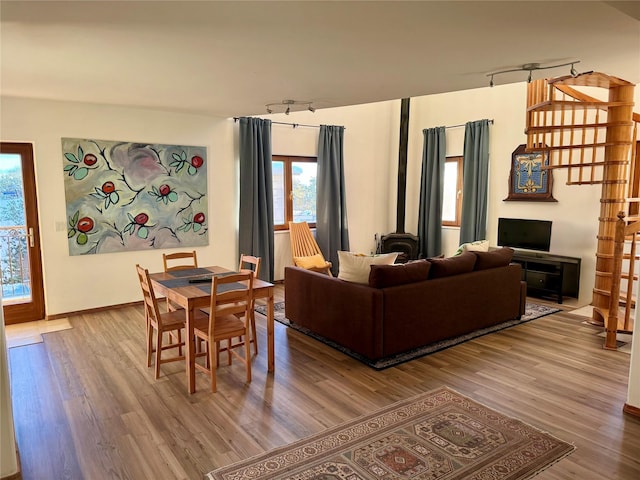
x=332, y=232
x=473, y=220
x=431, y=192
x=256, y=193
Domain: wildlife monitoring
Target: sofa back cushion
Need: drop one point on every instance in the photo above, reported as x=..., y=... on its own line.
x=356, y=267
x=493, y=259
x=383, y=276
x=445, y=267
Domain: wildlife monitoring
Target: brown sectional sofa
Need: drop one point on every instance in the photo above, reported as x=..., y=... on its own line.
x=381, y=321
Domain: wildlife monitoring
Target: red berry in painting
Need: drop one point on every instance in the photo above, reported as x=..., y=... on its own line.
x=108, y=187
x=85, y=224
x=198, y=218
x=197, y=161
x=90, y=159
x=141, y=219
x=164, y=190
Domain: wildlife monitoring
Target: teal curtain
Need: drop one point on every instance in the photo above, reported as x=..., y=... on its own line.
x=475, y=186
x=332, y=232
x=431, y=192
x=256, y=193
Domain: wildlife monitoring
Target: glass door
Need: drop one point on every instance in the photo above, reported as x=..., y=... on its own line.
x=20, y=260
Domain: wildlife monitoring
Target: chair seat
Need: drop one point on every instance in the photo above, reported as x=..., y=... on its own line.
x=226, y=326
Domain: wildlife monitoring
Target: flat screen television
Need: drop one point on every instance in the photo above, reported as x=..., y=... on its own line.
x=526, y=234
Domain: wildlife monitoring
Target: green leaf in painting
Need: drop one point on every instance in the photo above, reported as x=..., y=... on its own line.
x=81, y=173
x=143, y=232
x=71, y=157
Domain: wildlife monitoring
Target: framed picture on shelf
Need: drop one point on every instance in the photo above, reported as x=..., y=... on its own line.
x=529, y=181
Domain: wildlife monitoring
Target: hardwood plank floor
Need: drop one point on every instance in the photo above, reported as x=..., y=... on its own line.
x=87, y=407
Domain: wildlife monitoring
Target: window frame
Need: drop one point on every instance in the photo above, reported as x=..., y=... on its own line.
x=288, y=161
x=459, y=186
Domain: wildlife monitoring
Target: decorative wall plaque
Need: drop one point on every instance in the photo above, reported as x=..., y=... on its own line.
x=528, y=179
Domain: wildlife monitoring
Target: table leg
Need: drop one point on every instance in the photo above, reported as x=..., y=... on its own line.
x=270, y=332
x=190, y=352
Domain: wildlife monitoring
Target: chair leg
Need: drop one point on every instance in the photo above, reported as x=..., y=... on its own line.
x=254, y=336
x=158, y=352
x=213, y=361
x=149, y=343
x=247, y=358
x=179, y=342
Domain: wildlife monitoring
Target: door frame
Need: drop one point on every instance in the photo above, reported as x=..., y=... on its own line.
x=34, y=310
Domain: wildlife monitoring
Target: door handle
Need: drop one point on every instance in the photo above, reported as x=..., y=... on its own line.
x=32, y=241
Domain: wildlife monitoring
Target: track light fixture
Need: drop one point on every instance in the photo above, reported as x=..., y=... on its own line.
x=289, y=104
x=531, y=67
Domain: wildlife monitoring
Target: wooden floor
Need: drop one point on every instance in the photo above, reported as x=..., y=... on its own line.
x=87, y=407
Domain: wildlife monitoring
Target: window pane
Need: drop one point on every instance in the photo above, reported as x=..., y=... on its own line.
x=279, y=199
x=450, y=191
x=304, y=191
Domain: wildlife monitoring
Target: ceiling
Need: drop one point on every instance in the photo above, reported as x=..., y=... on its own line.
x=231, y=58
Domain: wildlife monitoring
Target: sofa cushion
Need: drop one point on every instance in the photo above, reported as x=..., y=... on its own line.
x=355, y=267
x=383, y=276
x=477, y=246
x=445, y=267
x=493, y=259
x=312, y=261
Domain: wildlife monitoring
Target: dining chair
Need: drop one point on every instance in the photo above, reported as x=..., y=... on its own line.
x=229, y=317
x=305, y=250
x=185, y=260
x=160, y=323
x=252, y=264
x=169, y=261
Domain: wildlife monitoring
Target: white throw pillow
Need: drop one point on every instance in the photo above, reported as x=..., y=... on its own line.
x=356, y=267
x=477, y=246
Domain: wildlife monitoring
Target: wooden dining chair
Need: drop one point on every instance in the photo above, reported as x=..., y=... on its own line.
x=160, y=323
x=185, y=261
x=229, y=317
x=251, y=264
x=305, y=250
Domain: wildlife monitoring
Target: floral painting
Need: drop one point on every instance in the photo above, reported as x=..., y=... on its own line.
x=123, y=196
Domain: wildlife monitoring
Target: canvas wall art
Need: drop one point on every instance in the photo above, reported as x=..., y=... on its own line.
x=125, y=196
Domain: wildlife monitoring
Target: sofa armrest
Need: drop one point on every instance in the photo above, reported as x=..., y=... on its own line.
x=347, y=313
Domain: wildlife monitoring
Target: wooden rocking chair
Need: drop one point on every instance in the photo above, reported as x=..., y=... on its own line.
x=304, y=249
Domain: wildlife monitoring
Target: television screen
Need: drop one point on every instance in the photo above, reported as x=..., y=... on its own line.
x=527, y=234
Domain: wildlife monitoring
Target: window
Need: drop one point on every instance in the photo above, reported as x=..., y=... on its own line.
x=294, y=191
x=452, y=196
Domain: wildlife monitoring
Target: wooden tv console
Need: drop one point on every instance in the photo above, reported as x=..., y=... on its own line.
x=547, y=274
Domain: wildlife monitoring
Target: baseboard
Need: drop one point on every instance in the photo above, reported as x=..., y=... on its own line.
x=93, y=310
x=631, y=410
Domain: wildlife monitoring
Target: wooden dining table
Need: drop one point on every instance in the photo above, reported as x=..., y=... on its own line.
x=178, y=287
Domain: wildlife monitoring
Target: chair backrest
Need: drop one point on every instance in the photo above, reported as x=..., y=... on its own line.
x=249, y=262
x=230, y=297
x=303, y=243
x=151, y=310
x=170, y=258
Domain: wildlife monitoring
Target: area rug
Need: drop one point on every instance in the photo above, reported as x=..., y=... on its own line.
x=439, y=435
x=532, y=311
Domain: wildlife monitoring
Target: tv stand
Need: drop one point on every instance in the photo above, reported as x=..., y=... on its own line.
x=547, y=274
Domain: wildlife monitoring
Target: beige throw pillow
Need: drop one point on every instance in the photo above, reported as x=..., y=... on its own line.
x=356, y=267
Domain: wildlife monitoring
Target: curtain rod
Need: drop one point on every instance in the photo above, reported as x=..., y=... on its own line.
x=294, y=125
x=464, y=124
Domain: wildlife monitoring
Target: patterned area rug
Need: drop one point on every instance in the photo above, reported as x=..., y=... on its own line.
x=440, y=435
x=532, y=311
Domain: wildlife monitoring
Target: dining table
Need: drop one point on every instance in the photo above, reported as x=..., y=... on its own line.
x=191, y=289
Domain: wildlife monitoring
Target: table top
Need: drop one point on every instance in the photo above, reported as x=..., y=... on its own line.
x=179, y=281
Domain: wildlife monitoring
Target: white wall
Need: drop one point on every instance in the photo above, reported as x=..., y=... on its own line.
x=90, y=281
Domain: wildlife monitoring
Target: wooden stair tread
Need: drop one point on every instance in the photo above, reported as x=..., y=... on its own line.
x=551, y=128
x=590, y=79
x=559, y=105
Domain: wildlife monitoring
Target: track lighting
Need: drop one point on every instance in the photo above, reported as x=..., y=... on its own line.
x=289, y=103
x=530, y=67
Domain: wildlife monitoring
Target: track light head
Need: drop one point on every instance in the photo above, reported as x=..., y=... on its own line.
x=529, y=77
x=530, y=67
x=491, y=81
x=311, y=109
x=573, y=71
x=288, y=103
x=287, y=111
x=269, y=110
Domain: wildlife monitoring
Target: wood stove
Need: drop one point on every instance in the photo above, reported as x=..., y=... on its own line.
x=400, y=241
